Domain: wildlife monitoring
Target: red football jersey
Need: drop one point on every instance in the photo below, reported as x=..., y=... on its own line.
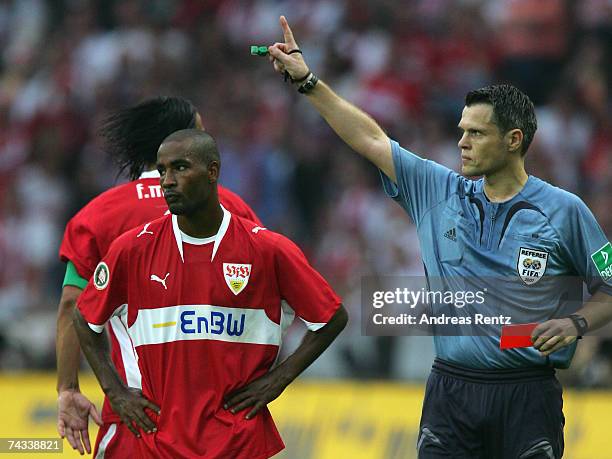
x=206, y=317
x=91, y=231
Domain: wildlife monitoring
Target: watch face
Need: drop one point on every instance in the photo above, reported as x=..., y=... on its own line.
x=306, y=87
x=309, y=84
x=580, y=323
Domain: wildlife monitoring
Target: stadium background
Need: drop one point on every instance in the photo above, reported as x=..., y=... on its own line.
x=64, y=64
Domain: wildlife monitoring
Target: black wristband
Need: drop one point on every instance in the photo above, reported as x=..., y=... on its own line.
x=309, y=84
x=582, y=326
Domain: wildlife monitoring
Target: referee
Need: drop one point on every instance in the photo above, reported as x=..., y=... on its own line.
x=481, y=401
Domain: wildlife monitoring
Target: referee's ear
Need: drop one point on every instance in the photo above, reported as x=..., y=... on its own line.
x=514, y=140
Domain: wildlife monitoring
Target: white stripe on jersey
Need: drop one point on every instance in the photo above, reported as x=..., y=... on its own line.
x=313, y=326
x=96, y=328
x=106, y=440
x=128, y=354
x=204, y=322
x=116, y=313
x=287, y=317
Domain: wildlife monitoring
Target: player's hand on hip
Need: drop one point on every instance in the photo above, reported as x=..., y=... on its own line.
x=283, y=59
x=130, y=405
x=552, y=335
x=256, y=394
x=73, y=411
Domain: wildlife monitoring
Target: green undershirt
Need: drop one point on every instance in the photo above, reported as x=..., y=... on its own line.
x=72, y=277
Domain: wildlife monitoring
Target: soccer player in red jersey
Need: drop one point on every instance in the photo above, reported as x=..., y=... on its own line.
x=132, y=136
x=208, y=295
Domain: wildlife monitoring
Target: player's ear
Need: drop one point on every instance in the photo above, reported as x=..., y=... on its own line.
x=514, y=139
x=213, y=171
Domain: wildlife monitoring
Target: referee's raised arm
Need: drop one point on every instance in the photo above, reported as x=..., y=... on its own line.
x=353, y=125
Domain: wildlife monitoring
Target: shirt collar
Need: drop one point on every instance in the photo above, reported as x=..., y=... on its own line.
x=522, y=194
x=218, y=237
x=187, y=239
x=149, y=174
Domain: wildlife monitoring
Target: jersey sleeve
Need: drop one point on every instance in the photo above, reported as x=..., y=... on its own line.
x=302, y=287
x=236, y=205
x=588, y=248
x=79, y=245
x=421, y=183
x=106, y=293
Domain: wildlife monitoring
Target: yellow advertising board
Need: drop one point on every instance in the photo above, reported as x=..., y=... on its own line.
x=318, y=420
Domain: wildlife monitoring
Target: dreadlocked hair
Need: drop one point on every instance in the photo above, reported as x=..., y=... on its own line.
x=133, y=135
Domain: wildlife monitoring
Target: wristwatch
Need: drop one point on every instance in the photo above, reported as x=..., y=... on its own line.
x=310, y=82
x=582, y=326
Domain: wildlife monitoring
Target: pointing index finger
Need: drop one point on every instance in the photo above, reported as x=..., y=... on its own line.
x=287, y=34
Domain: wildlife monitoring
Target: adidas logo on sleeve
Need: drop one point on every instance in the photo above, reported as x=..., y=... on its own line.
x=451, y=234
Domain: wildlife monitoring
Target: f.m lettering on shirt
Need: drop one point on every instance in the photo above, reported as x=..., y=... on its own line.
x=204, y=322
x=149, y=191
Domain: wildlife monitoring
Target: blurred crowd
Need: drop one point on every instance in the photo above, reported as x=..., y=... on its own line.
x=64, y=64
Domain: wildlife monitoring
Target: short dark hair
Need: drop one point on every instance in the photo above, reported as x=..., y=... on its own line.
x=133, y=135
x=512, y=109
x=199, y=141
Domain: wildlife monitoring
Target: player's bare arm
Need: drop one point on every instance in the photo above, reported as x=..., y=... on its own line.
x=73, y=408
x=264, y=390
x=354, y=126
x=552, y=335
x=67, y=343
x=127, y=402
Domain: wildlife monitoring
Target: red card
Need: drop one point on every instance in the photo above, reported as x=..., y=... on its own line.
x=518, y=335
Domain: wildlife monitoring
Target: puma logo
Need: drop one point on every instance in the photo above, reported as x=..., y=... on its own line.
x=257, y=229
x=156, y=278
x=144, y=230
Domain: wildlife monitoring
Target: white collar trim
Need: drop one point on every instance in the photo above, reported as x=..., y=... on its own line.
x=178, y=235
x=187, y=239
x=149, y=174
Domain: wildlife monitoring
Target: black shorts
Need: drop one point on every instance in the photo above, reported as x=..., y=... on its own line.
x=481, y=414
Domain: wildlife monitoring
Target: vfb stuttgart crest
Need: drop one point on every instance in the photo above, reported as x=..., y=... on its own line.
x=236, y=276
x=531, y=265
